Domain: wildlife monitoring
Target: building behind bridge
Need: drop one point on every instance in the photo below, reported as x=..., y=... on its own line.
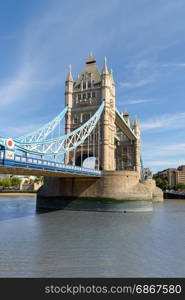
x=172, y=175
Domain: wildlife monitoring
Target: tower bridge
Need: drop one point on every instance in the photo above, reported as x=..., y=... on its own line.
x=89, y=150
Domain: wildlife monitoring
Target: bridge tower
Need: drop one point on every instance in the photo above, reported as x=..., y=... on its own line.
x=83, y=98
x=137, y=147
x=114, y=142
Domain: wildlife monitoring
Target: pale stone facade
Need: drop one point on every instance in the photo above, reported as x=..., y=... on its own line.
x=117, y=151
x=116, y=145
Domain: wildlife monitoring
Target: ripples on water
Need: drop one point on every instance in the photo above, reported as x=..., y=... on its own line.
x=91, y=244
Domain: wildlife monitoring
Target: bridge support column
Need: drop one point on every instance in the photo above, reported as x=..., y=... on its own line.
x=108, y=139
x=68, y=102
x=137, y=148
x=113, y=187
x=106, y=157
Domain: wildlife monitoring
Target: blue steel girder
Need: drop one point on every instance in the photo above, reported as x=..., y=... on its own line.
x=122, y=124
x=43, y=132
x=61, y=144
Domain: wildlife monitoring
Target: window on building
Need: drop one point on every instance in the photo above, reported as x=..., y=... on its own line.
x=84, y=96
x=85, y=117
x=75, y=119
x=88, y=95
x=79, y=97
x=84, y=85
x=89, y=84
x=93, y=94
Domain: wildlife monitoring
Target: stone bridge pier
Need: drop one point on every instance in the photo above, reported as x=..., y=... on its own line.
x=116, y=188
x=116, y=147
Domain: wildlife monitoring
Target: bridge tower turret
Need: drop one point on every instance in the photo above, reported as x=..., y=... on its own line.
x=108, y=94
x=69, y=103
x=83, y=98
x=137, y=146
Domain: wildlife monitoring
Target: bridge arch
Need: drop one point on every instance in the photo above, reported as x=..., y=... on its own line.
x=80, y=159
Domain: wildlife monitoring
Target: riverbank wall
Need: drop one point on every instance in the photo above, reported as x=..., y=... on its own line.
x=174, y=195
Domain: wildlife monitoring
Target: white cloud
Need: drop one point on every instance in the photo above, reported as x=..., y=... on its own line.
x=16, y=87
x=175, y=147
x=137, y=84
x=164, y=163
x=178, y=65
x=138, y=101
x=21, y=130
x=47, y=47
x=168, y=121
x=161, y=162
x=162, y=157
x=173, y=150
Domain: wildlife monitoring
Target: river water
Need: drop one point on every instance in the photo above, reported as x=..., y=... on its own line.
x=91, y=244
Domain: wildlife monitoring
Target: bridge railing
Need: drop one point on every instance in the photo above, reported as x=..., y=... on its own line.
x=13, y=160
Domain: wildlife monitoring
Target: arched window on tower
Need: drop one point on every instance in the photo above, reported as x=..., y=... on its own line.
x=89, y=84
x=79, y=97
x=75, y=119
x=86, y=117
x=93, y=94
x=84, y=85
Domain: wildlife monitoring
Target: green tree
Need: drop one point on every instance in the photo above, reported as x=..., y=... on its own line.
x=158, y=182
x=15, y=181
x=180, y=186
x=6, y=182
x=162, y=183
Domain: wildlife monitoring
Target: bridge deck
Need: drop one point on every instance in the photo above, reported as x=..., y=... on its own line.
x=20, y=165
x=121, y=123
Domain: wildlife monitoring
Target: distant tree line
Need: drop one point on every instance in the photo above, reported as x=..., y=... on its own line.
x=7, y=182
x=180, y=186
x=164, y=185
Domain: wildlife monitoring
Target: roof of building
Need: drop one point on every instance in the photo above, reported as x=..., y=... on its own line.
x=90, y=67
x=91, y=59
x=105, y=69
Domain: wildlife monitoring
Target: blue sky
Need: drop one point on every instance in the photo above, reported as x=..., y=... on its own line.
x=144, y=42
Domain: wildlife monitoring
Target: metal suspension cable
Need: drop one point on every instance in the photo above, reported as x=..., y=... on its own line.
x=42, y=132
x=98, y=139
x=94, y=136
x=64, y=143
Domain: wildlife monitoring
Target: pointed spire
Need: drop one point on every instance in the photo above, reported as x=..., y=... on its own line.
x=69, y=75
x=126, y=115
x=91, y=59
x=111, y=74
x=136, y=126
x=136, y=123
x=105, y=69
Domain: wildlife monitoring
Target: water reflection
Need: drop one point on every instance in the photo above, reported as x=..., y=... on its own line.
x=91, y=244
x=17, y=206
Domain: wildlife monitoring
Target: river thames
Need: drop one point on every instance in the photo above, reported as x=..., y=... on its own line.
x=91, y=244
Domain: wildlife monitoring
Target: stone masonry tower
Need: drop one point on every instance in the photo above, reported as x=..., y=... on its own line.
x=83, y=97
x=137, y=147
x=114, y=144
